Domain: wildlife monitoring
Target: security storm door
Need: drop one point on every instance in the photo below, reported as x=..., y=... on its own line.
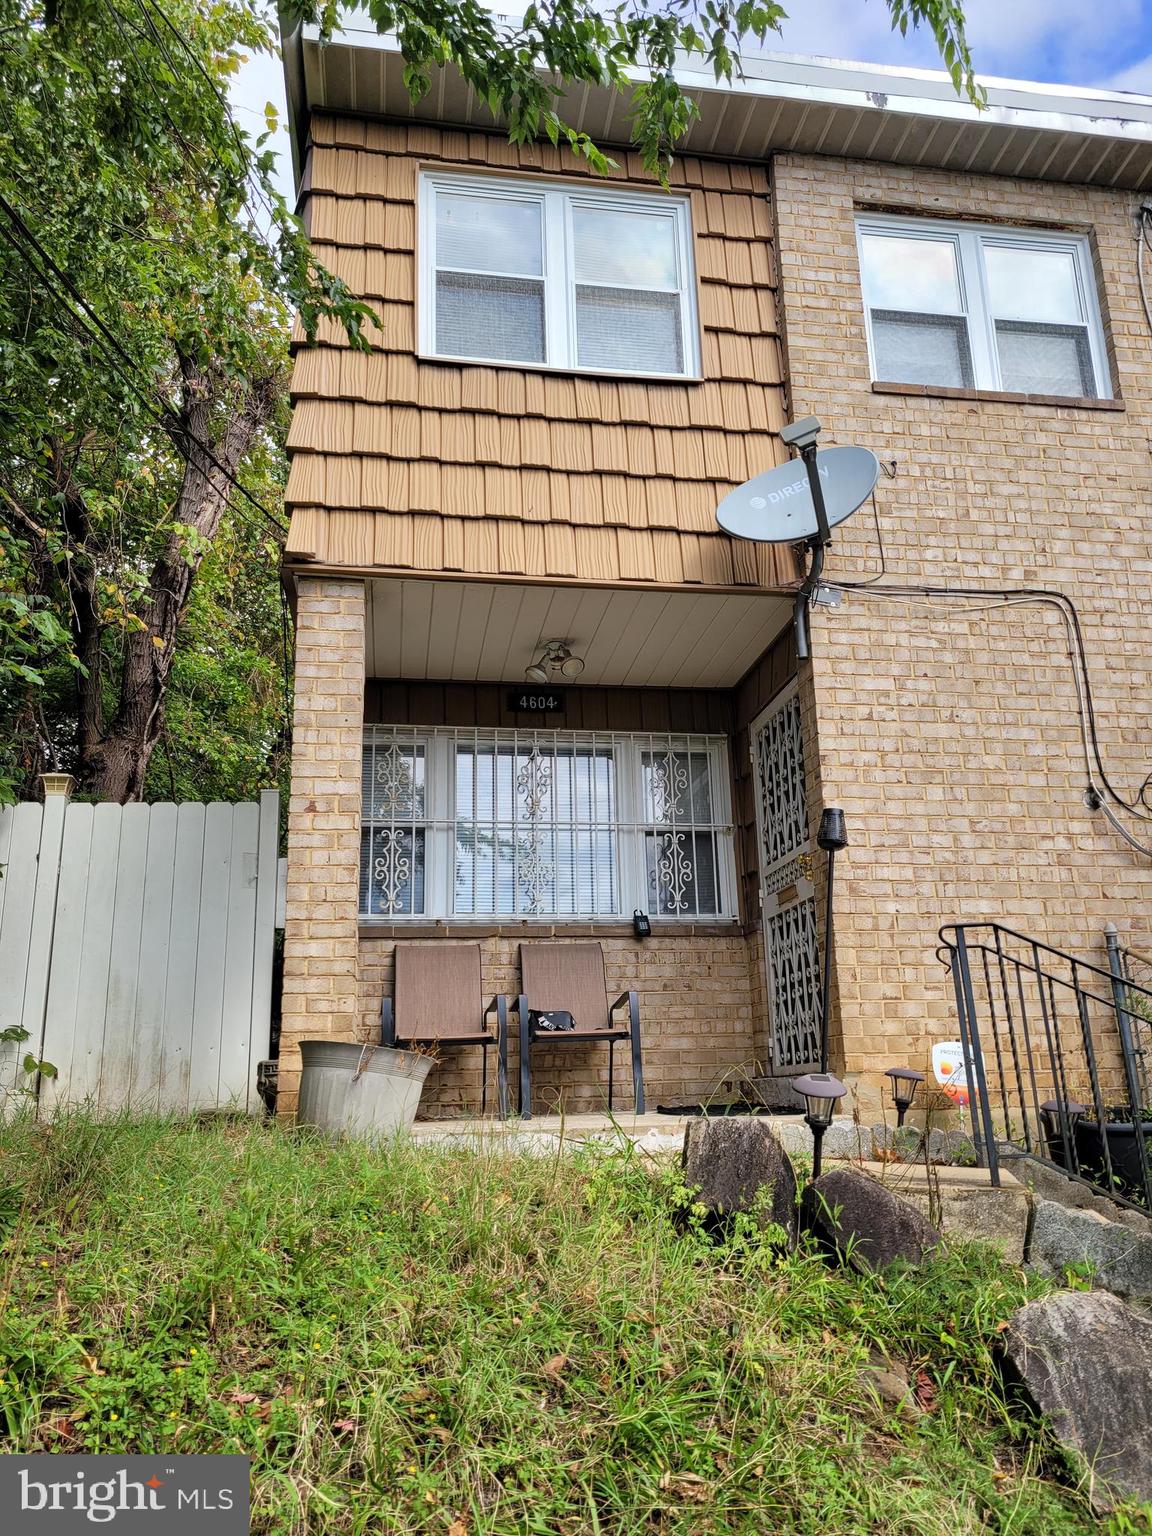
x=787, y=898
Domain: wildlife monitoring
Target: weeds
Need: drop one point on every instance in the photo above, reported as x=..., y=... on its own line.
x=480, y=1344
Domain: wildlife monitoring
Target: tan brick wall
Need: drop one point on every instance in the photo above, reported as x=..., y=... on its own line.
x=320, y=933
x=953, y=742
x=695, y=1012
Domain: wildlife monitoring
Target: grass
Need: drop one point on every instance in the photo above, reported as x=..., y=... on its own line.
x=457, y=1343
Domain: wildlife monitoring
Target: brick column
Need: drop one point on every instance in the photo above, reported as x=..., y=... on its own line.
x=320, y=930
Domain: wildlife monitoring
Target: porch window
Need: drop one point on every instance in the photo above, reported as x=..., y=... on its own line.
x=966, y=306
x=548, y=824
x=529, y=272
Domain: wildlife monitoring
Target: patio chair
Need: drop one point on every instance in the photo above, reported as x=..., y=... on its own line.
x=571, y=977
x=438, y=1002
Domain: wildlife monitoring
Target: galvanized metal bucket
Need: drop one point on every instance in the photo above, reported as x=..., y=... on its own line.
x=365, y=1091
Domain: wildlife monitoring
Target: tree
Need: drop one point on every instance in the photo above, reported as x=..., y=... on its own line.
x=148, y=270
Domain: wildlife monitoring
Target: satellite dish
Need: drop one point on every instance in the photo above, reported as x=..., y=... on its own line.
x=776, y=507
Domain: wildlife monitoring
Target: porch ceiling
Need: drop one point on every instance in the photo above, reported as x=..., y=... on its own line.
x=490, y=632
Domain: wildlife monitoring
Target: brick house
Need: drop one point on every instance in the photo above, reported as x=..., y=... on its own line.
x=572, y=373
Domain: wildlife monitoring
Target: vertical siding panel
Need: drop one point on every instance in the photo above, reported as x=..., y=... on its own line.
x=147, y=1045
x=123, y=958
x=62, y=1024
x=215, y=880
x=187, y=884
x=239, y=956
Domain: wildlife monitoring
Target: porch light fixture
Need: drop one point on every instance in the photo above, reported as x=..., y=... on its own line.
x=821, y=1093
x=555, y=657
x=831, y=836
x=905, y=1081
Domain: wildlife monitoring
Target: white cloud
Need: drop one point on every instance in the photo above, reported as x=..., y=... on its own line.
x=1137, y=77
x=1026, y=39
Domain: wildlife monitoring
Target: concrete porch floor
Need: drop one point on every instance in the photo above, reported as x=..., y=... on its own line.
x=653, y=1132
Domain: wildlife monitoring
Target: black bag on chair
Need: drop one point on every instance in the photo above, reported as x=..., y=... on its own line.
x=550, y=1021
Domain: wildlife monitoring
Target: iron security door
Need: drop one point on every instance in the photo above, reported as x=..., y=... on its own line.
x=787, y=898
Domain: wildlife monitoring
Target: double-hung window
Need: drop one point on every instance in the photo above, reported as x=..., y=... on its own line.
x=981, y=307
x=531, y=272
x=544, y=824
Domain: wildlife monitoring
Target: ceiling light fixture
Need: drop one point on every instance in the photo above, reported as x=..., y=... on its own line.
x=555, y=657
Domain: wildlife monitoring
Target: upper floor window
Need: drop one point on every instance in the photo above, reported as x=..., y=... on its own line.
x=981, y=307
x=528, y=272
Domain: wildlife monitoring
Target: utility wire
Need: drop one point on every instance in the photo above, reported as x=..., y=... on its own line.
x=214, y=86
x=162, y=410
x=1077, y=652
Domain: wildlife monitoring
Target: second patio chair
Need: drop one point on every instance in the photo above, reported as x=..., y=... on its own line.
x=571, y=977
x=438, y=1002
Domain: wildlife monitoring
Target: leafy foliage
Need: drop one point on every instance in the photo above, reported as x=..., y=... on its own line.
x=148, y=269
x=524, y=68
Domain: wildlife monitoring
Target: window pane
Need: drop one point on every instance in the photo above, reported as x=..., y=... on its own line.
x=489, y=233
x=1032, y=284
x=392, y=871
x=682, y=879
x=1045, y=359
x=911, y=273
x=622, y=246
x=494, y=317
x=921, y=349
x=629, y=331
x=393, y=781
x=535, y=828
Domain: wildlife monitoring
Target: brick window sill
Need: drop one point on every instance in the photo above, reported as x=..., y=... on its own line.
x=546, y=930
x=1002, y=396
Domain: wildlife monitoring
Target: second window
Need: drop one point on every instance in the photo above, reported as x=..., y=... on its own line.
x=557, y=277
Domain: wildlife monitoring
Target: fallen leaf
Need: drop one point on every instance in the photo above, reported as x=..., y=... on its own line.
x=458, y=1528
x=554, y=1368
x=925, y=1391
x=242, y=1397
x=686, y=1485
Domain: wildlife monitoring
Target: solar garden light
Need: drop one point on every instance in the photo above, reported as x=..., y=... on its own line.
x=1050, y=1121
x=831, y=836
x=905, y=1081
x=821, y=1093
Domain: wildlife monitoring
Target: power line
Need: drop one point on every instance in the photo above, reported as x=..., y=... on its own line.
x=1078, y=655
x=162, y=410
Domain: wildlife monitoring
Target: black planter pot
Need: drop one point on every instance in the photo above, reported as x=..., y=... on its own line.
x=1124, y=1150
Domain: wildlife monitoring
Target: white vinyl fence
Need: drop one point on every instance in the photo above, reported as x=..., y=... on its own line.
x=136, y=950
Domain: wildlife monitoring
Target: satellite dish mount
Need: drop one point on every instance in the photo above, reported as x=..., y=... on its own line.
x=783, y=507
x=802, y=436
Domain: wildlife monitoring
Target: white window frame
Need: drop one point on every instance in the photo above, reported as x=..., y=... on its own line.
x=970, y=241
x=556, y=202
x=440, y=820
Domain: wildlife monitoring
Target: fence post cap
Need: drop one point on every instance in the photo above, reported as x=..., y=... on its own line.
x=1111, y=931
x=57, y=784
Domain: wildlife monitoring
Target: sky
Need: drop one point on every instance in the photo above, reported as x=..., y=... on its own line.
x=1072, y=42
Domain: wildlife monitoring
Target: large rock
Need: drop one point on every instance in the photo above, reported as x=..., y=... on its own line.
x=1049, y=1183
x=730, y=1159
x=1085, y=1361
x=1120, y=1258
x=864, y=1223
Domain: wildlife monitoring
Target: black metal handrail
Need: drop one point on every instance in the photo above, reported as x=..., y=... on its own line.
x=1048, y=1042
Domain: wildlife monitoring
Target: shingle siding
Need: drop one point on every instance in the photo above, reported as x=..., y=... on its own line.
x=404, y=464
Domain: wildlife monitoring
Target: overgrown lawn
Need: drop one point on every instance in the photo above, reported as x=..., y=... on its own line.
x=441, y=1341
